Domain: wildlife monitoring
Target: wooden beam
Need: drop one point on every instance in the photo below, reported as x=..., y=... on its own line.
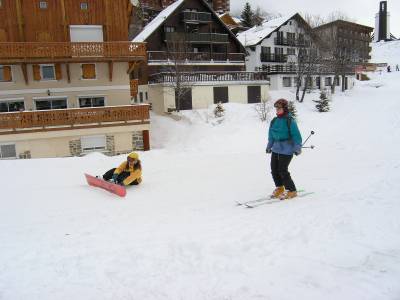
x=106, y=25
x=20, y=21
x=25, y=73
x=110, y=70
x=68, y=73
x=132, y=67
x=146, y=140
x=64, y=20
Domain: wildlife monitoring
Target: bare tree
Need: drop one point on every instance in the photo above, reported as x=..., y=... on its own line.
x=263, y=108
x=178, y=68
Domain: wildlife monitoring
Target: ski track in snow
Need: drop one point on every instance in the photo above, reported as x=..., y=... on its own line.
x=180, y=235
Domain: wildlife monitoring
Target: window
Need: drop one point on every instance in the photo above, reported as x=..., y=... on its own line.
x=254, y=94
x=13, y=105
x=291, y=51
x=46, y=104
x=91, y=101
x=43, y=4
x=88, y=71
x=337, y=81
x=5, y=73
x=266, y=50
x=169, y=29
x=147, y=96
x=287, y=82
x=141, y=97
x=8, y=151
x=328, y=81
x=47, y=72
x=93, y=143
x=84, y=6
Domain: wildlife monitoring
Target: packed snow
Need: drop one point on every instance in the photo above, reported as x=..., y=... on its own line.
x=180, y=234
x=386, y=52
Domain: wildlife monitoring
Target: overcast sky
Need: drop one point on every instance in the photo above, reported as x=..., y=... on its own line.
x=363, y=11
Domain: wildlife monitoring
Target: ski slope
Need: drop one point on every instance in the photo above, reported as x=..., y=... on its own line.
x=179, y=235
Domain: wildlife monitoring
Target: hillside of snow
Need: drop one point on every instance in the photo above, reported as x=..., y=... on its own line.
x=180, y=235
x=386, y=52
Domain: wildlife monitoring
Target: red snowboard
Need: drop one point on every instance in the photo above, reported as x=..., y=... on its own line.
x=111, y=187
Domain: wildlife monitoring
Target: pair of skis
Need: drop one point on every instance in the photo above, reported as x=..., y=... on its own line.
x=269, y=200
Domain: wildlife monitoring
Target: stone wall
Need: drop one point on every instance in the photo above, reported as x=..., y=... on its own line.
x=137, y=140
x=75, y=147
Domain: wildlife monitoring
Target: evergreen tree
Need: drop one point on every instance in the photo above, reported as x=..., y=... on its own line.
x=292, y=109
x=323, y=103
x=247, y=16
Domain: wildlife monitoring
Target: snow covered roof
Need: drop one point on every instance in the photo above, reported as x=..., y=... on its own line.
x=157, y=21
x=256, y=34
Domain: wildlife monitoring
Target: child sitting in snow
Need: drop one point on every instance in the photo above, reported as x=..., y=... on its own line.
x=128, y=173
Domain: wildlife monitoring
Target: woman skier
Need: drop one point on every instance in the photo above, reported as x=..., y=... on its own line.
x=128, y=173
x=284, y=140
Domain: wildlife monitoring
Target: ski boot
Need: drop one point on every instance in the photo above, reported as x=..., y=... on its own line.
x=288, y=195
x=278, y=192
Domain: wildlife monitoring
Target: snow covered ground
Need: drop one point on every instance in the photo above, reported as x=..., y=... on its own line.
x=180, y=235
x=386, y=52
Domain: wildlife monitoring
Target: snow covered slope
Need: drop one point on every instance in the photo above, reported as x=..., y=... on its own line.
x=388, y=52
x=180, y=235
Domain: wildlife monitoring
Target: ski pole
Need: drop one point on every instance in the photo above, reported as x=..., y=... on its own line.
x=312, y=132
x=311, y=147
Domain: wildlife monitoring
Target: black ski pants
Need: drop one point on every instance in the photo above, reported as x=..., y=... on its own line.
x=279, y=169
x=121, y=177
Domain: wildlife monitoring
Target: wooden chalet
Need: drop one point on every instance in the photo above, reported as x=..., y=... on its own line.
x=64, y=79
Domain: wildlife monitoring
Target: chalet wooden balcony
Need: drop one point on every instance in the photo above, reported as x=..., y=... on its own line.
x=270, y=57
x=197, y=37
x=196, y=17
x=293, y=69
x=206, y=57
x=75, y=118
x=167, y=77
x=69, y=51
x=291, y=42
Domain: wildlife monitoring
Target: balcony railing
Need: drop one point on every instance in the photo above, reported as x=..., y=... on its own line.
x=197, y=37
x=292, y=69
x=196, y=17
x=162, y=56
x=292, y=42
x=208, y=77
x=72, y=51
x=269, y=57
x=60, y=119
x=285, y=42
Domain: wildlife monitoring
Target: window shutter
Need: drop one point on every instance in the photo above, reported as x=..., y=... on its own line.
x=36, y=72
x=7, y=73
x=58, y=72
x=88, y=71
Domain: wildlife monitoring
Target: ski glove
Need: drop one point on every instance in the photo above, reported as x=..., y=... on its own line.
x=115, y=177
x=298, y=152
x=268, y=151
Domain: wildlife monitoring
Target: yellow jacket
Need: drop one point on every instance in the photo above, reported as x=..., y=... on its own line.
x=134, y=174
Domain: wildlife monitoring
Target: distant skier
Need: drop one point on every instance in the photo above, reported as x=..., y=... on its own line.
x=388, y=69
x=397, y=68
x=284, y=140
x=128, y=173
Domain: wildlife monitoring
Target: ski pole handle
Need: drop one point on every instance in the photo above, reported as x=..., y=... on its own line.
x=312, y=132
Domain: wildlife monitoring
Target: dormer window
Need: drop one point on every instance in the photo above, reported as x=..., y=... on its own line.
x=84, y=6
x=43, y=4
